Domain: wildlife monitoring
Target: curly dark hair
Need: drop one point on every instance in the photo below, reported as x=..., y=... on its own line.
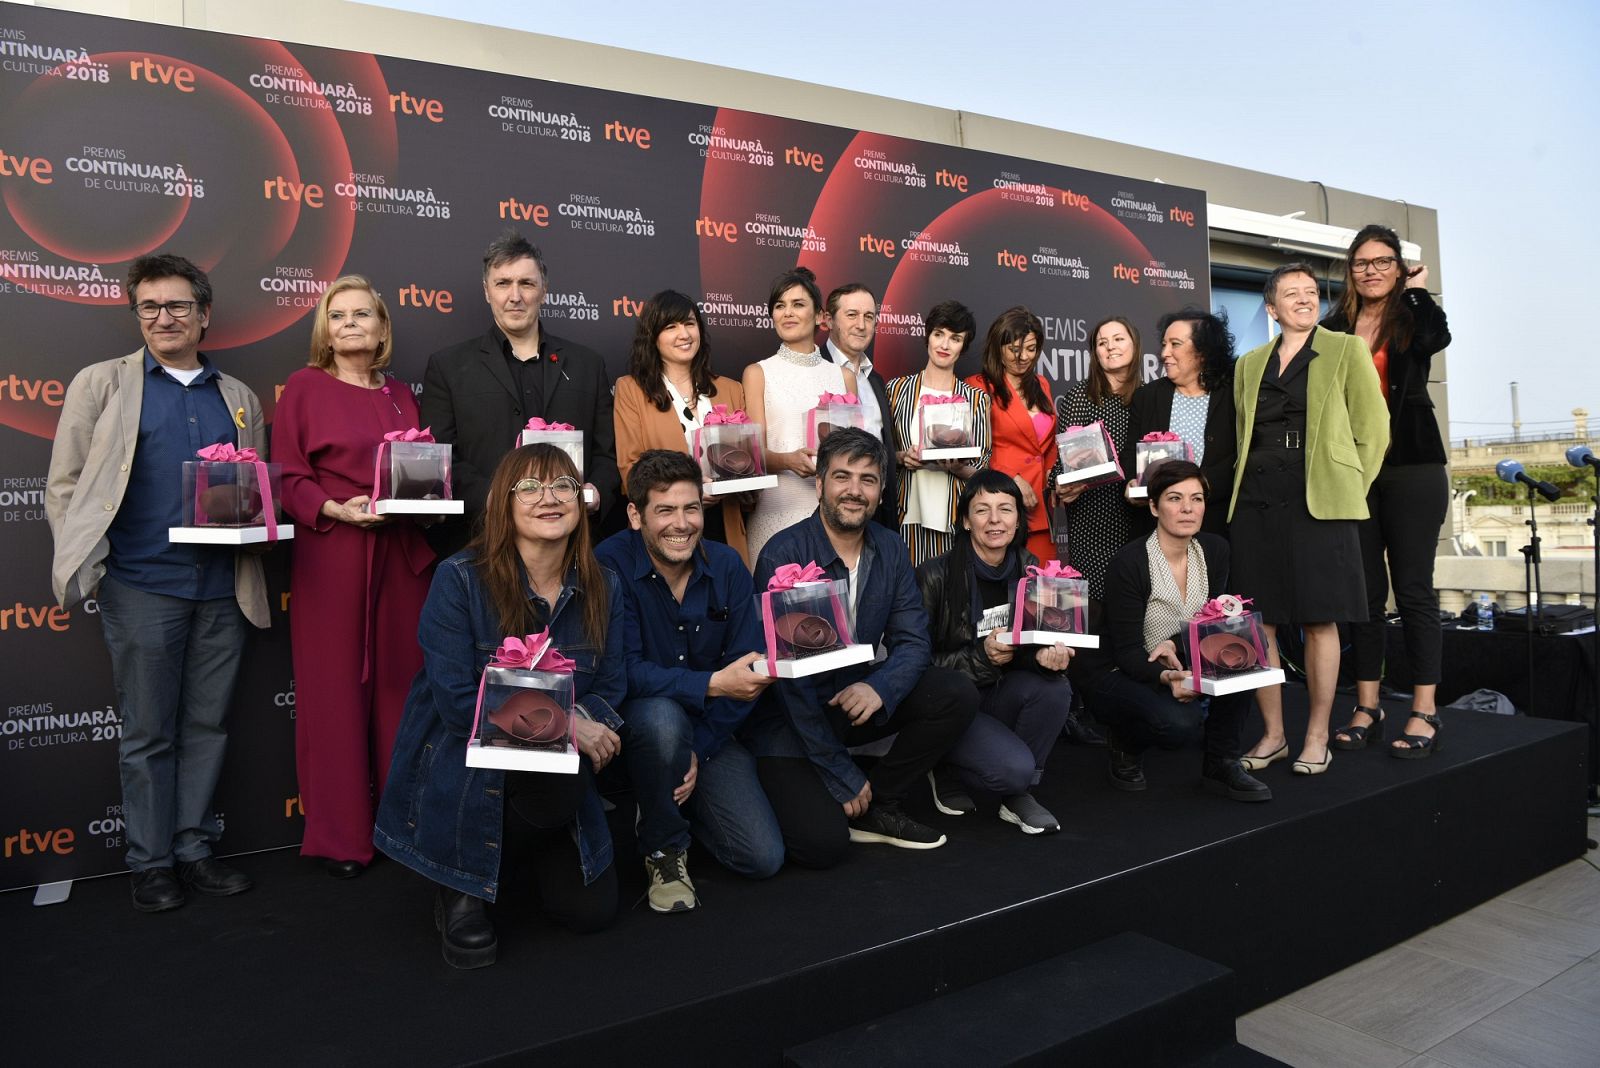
x=1212, y=339
x=668, y=308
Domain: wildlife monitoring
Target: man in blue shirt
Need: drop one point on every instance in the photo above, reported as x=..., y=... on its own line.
x=802, y=729
x=174, y=615
x=690, y=636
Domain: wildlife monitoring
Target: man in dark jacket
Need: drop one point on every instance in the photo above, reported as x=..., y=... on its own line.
x=479, y=394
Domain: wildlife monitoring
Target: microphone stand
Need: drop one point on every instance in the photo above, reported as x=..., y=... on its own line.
x=1594, y=666
x=1531, y=584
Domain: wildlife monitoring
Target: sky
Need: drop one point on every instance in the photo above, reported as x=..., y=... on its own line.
x=1487, y=112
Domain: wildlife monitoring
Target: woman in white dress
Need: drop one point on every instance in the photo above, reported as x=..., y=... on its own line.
x=778, y=392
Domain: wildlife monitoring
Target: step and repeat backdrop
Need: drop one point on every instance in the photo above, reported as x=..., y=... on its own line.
x=278, y=168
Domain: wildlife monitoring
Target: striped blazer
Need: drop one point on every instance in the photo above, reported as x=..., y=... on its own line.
x=903, y=395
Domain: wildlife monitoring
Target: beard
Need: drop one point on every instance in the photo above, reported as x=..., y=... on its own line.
x=831, y=514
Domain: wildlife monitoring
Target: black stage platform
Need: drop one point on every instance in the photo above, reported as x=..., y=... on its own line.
x=307, y=970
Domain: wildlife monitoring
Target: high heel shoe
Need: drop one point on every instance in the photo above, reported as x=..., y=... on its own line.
x=1418, y=746
x=1362, y=735
x=1311, y=767
x=1259, y=763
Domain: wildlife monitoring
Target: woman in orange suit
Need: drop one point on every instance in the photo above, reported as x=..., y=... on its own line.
x=1022, y=416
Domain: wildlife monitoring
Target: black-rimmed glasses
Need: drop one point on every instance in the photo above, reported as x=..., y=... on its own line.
x=531, y=491
x=1378, y=263
x=178, y=309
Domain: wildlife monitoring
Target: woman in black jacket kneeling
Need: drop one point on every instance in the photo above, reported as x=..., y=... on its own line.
x=969, y=592
x=1135, y=683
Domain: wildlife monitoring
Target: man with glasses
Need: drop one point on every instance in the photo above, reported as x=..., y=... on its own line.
x=173, y=614
x=479, y=394
x=691, y=635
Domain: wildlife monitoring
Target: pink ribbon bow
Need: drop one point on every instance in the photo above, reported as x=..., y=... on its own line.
x=943, y=398
x=533, y=652
x=1226, y=606
x=412, y=434
x=719, y=415
x=1053, y=569
x=824, y=399
x=223, y=452
x=1161, y=435
x=537, y=423
x=788, y=576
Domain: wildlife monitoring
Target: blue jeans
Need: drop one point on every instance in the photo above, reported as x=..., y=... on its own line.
x=1019, y=719
x=174, y=663
x=728, y=811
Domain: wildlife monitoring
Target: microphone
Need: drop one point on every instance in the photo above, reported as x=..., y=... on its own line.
x=1581, y=455
x=1511, y=471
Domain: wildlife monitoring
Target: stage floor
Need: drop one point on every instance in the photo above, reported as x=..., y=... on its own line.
x=308, y=970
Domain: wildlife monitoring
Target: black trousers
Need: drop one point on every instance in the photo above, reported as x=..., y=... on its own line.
x=1408, y=503
x=541, y=858
x=1141, y=716
x=931, y=719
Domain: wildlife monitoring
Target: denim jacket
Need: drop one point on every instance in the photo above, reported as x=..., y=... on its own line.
x=439, y=816
x=793, y=718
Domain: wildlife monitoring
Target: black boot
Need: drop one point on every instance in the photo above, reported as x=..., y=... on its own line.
x=1080, y=728
x=1125, y=771
x=463, y=923
x=1229, y=779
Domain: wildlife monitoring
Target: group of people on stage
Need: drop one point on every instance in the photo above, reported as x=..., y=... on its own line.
x=649, y=584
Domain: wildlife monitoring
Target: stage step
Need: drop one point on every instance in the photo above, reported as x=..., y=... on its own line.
x=1128, y=1000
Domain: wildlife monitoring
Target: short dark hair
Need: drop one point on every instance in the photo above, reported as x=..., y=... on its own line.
x=167, y=265
x=1169, y=473
x=849, y=443
x=844, y=291
x=510, y=247
x=955, y=317
x=795, y=276
x=658, y=469
x=1270, y=290
x=988, y=480
x=1212, y=339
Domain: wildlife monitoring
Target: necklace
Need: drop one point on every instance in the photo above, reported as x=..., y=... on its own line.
x=799, y=359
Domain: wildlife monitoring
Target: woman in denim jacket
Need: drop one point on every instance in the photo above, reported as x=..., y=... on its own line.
x=530, y=568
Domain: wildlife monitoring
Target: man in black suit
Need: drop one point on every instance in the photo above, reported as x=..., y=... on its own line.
x=851, y=318
x=479, y=394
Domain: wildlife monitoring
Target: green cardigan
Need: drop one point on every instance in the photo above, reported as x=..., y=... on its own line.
x=1347, y=423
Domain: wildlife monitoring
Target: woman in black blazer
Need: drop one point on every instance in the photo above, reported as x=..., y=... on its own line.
x=1136, y=682
x=1197, y=353
x=1387, y=304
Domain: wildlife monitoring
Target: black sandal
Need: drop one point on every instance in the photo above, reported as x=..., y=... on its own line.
x=1362, y=736
x=1416, y=746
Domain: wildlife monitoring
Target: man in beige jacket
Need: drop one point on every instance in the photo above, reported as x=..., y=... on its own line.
x=174, y=615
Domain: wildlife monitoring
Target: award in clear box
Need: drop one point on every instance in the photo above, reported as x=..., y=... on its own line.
x=411, y=476
x=563, y=436
x=1228, y=649
x=834, y=411
x=728, y=447
x=945, y=428
x=806, y=623
x=1087, y=456
x=1051, y=608
x=1149, y=452
x=525, y=719
x=231, y=498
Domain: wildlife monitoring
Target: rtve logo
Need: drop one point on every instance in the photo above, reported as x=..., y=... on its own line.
x=280, y=188
x=637, y=136
x=1069, y=199
x=706, y=226
x=403, y=103
x=292, y=807
x=26, y=617
x=873, y=243
x=1125, y=273
x=155, y=72
x=25, y=843
x=515, y=210
x=414, y=296
x=799, y=157
x=35, y=168
x=950, y=180
x=1015, y=260
x=48, y=390
x=1179, y=215
x=626, y=307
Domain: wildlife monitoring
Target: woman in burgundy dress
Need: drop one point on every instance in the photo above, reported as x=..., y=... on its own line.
x=357, y=580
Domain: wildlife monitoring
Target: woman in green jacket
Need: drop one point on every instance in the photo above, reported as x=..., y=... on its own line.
x=1313, y=428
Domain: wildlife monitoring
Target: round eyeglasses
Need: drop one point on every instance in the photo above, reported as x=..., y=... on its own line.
x=562, y=490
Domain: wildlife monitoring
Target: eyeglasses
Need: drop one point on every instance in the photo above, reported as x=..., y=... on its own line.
x=1380, y=264
x=178, y=309
x=531, y=491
